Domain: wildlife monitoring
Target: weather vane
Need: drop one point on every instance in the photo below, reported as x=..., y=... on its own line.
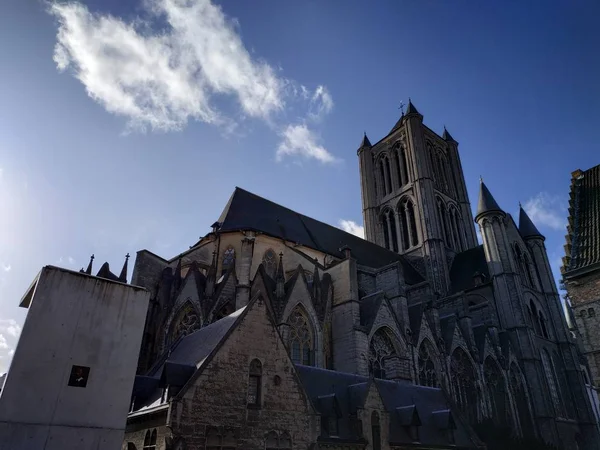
x=401, y=108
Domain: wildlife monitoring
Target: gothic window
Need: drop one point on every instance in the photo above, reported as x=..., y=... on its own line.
x=534, y=317
x=388, y=176
x=382, y=176
x=254, y=383
x=381, y=350
x=398, y=170
x=496, y=389
x=543, y=325
x=131, y=446
x=274, y=442
x=187, y=322
x=217, y=441
x=464, y=384
x=520, y=396
x=150, y=440
x=552, y=383
x=564, y=389
x=300, y=337
x=375, y=431
x=228, y=258
x=404, y=165
x=269, y=262
x=427, y=373
x=456, y=229
x=389, y=230
x=528, y=270
x=408, y=222
x=386, y=231
x=591, y=312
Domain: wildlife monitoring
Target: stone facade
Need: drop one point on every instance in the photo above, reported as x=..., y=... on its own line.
x=419, y=302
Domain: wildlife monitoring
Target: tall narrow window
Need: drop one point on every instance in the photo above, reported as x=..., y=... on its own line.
x=228, y=258
x=388, y=176
x=543, y=325
x=529, y=270
x=404, y=165
x=535, y=317
x=285, y=441
x=496, y=389
x=272, y=441
x=552, y=383
x=399, y=177
x=391, y=220
x=444, y=222
x=427, y=373
x=464, y=384
x=382, y=175
x=386, y=231
x=269, y=262
x=254, y=383
x=300, y=337
x=404, y=225
x=414, y=240
x=375, y=431
x=150, y=440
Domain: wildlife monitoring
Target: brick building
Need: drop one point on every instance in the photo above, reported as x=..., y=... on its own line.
x=278, y=331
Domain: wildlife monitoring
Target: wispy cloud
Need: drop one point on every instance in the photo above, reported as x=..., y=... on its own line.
x=549, y=211
x=67, y=260
x=162, y=78
x=299, y=140
x=352, y=227
x=11, y=327
x=6, y=267
x=3, y=343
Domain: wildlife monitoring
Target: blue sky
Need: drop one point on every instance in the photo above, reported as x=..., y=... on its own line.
x=127, y=125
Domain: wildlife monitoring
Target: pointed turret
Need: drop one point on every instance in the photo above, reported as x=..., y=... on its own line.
x=447, y=136
x=526, y=226
x=89, y=267
x=280, y=279
x=365, y=143
x=410, y=109
x=123, y=275
x=486, y=204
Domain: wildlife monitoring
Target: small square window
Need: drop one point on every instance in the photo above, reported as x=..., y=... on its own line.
x=79, y=376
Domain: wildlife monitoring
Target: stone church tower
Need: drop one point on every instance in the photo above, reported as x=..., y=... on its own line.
x=414, y=196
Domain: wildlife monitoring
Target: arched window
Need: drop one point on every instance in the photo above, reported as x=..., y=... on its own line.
x=382, y=176
x=381, y=350
x=408, y=222
x=269, y=262
x=397, y=168
x=552, y=383
x=150, y=440
x=496, y=389
x=389, y=230
x=456, y=229
x=254, y=383
x=228, y=258
x=464, y=384
x=427, y=373
x=131, y=446
x=375, y=431
x=404, y=165
x=543, y=325
x=535, y=317
x=300, y=337
x=528, y=269
x=520, y=395
x=274, y=442
x=386, y=231
x=591, y=312
x=388, y=175
x=187, y=322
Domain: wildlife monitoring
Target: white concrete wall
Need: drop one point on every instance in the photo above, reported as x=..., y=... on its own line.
x=73, y=319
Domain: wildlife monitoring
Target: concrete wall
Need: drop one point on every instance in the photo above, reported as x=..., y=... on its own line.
x=73, y=319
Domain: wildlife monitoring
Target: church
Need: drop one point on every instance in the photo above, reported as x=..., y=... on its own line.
x=277, y=331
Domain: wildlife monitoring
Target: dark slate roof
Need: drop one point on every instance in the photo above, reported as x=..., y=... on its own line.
x=447, y=136
x=365, y=142
x=404, y=401
x=526, y=226
x=410, y=109
x=486, y=201
x=247, y=211
x=583, y=238
x=465, y=265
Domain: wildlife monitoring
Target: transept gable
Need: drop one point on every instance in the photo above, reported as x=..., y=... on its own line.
x=425, y=332
x=298, y=294
x=384, y=317
x=224, y=298
x=448, y=325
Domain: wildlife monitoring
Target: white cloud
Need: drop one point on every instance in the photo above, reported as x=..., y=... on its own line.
x=67, y=260
x=3, y=343
x=162, y=78
x=6, y=267
x=298, y=140
x=352, y=227
x=321, y=104
x=11, y=353
x=547, y=211
x=10, y=326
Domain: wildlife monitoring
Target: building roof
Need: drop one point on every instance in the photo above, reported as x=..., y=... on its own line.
x=447, y=136
x=583, y=238
x=365, y=142
x=486, y=203
x=247, y=211
x=405, y=403
x=465, y=266
x=527, y=229
x=410, y=109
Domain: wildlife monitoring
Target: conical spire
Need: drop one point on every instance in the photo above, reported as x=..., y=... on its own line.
x=280, y=279
x=526, y=226
x=365, y=143
x=89, y=267
x=486, y=201
x=447, y=136
x=123, y=276
x=410, y=109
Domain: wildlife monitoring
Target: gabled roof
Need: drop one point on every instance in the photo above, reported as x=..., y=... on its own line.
x=526, y=227
x=405, y=402
x=583, y=238
x=247, y=211
x=486, y=202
